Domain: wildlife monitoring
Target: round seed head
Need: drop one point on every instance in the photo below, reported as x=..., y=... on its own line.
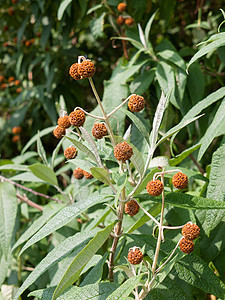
x=135, y=256
x=59, y=132
x=129, y=21
x=70, y=152
x=123, y=151
x=18, y=90
x=131, y=208
x=121, y=7
x=17, y=82
x=11, y=79
x=180, y=181
x=186, y=245
x=78, y=173
x=120, y=20
x=16, y=129
x=190, y=231
x=99, y=130
x=74, y=71
x=11, y=11
x=64, y=122
x=136, y=103
x=2, y=78
x=87, y=175
x=154, y=187
x=15, y=138
x=3, y=86
x=77, y=118
x=86, y=69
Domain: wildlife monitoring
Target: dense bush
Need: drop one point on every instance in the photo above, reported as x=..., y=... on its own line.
x=76, y=234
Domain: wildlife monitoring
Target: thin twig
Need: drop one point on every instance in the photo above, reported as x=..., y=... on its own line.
x=29, y=202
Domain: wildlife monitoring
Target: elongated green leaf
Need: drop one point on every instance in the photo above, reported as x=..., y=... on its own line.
x=137, y=44
x=213, y=130
x=149, y=25
x=126, y=288
x=138, y=123
x=81, y=260
x=97, y=26
x=41, y=150
x=215, y=41
x=83, y=148
x=63, y=217
x=180, y=157
x=63, y=6
x=100, y=174
x=78, y=240
x=49, y=211
x=45, y=173
x=142, y=82
x=34, y=138
x=97, y=291
x=83, y=164
x=187, y=201
x=196, y=272
x=144, y=182
x=20, y=159
x=14, y=167
x=4, y=267
x=55, y=152
x=8, y=211
x=26, y=176
x=173, y=57
x=94, y=8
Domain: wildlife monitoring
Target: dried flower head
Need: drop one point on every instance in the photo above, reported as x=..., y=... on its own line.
x=154, y=187
x=129, y=21
x=74, y=71
x=186, y=245
x=123, y=151
x=18, y=90
x=121, y=7
x=15, y=138
x=77, y=118
x=135, y=256
x=3, y=86
x=131, y=208
x=16, y=129
x=136, y=103
x=59, y=132
x=78, y=173
x=120, y=20
x=70, y=152
x=87, y=175
x=180, y=180
x=190, y=231
x=99, y=130
x=11, y=79
x=86, y=69
x=17, y=82
x=2, y=78
x=64, y=122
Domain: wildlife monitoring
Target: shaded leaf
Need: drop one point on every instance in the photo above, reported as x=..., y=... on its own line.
x=63, y=6
x=45, y=173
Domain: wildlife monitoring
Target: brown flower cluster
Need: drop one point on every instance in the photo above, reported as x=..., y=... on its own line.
x=122, y=7
x=180, y=181
x=123, y=151
x=78, y=173
x=70, y=152
x=135, y=256
x=190, y=232
x=99, y=130
x=86, y=69
x=131, y=208
x=136, y=103
x=154, y=187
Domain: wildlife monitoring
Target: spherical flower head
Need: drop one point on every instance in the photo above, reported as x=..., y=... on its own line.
x=70, y=152
x=99, y=130
x=87, y=175
x=11, y=79
x=129, y=21
x=77, y=118
x=11, y=11
x=86, y=69
x=2, y=78
x=15, y=138
x=59, y=132
x=121, y=7
x=123, y=151
x=3, y=86
x=120, y=20
x=78, y=173
x=17, y=82
x=135, y=256
x=74, y=71
x=186, y=245
x=154, y=187
x=180, y=181
x=131, y=208
x=64, y=122
x=16, y=129
x=190, y=231
x=18, y=90
x=136, y=103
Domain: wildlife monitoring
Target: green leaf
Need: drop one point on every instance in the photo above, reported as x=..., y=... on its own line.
x=138, y=123
x=100, y=174
x=213, y=129
x=8, y=211
x=149, y=25
x=39, y=134
x=4, y=267
x=140, y=84
x=49, y=211
x=97, y=26
x=137, y=44
x=186, y=201
x=79, y=240
x=45, y=173
x=64, y=216
x=63, y=6
x=75, y=268
x=214, y=42
x=55, y=152
x=26, y=176
x=144, y=182
x=14, y=167
x=193, y=270
x=94, y=8
x=126, y=288
x=180, y=157
x=41, y=150
x=83, y=148
x=83, y=164
x=173, y=57
x=97, y=291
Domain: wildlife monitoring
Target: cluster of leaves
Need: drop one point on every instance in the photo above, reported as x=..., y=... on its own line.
x=69, y=243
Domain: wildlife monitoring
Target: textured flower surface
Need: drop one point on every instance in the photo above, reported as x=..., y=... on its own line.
x=77, y=118
x=135, y=256
x=180, y=180
x=131, y=208
x=186, y=245
x=70, y=152
x=59, y=132
x=123, y=151
x=78, y=173
x=99, y=130
x=190, y=231
x=86, y=69
x=154, y=187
